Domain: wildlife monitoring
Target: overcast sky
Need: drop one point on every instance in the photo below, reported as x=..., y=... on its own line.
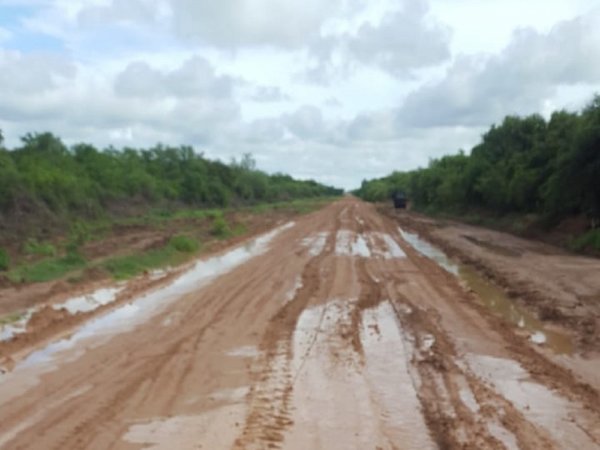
x=335, y=90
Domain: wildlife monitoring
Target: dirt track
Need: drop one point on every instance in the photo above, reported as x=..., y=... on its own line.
x=329, y=333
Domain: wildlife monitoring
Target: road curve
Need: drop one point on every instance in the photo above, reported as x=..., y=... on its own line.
x=327, y=333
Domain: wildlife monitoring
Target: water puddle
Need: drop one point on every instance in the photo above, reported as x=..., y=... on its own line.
x=289, y=296
x=90, y=302
x=315, y=243
x=431, y=252
x=386, y=365
x=365, y=245
x=494, y=298
x=16, y=325
x=500, y=304
x=129, y=315
x=536, y=402
x=247, y=351
x=384, y=246
x=210, y=430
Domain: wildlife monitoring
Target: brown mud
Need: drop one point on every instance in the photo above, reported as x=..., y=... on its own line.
x=331, y=332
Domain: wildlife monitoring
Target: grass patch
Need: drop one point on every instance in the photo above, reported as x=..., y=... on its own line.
x=589, y=240
x=11, y=318
x=33, y=247
x=47, y=269
x=184, y=244
x=175, y=252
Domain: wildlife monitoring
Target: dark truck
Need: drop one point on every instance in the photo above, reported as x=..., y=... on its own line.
x=399, y=200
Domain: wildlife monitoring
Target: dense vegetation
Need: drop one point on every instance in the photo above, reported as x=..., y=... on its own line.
x=525, y=165
x=44, y=175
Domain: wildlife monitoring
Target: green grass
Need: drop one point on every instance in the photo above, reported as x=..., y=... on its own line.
x=11, y=318
x=176, y=251
x=589, y=240
x=33, y=247
x=184, y=244
x=47, y=269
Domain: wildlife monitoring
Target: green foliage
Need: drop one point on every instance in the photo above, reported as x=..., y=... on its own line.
x=184, y=244
x=48, y=269
x=44, y=174
x=525, y=165
x=177, y=250
x=220, y=227
x=4, y=260
x=590, y=240
x=33, y=247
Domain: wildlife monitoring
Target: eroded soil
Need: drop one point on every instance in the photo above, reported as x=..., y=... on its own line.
x=331, y=332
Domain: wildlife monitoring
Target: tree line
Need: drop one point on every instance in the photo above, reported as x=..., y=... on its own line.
x=524, y=165
x=43, y=174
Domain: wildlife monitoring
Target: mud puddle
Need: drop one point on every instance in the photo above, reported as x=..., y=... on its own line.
x=129, y=315
x=564, y=420
x=367, y=245
x=387, y=364
x=494, y=298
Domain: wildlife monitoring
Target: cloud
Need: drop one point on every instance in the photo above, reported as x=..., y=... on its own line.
x=195, y=78
x=404, y=40
x=235, y=23
x=269, y=94
x=35, y=73
x=478, y=90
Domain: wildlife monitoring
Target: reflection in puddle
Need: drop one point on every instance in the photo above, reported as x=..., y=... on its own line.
x=16, y=326
x=494, y=298
x=127, y=316
x=538, y=403
x=428, y=250
x=387, y=366
x=210, y=430
x=315, y=243
x=247, y=351
x=365, y=245
x=91, y=301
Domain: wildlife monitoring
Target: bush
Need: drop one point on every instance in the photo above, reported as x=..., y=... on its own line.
x=4, y=259
x=184, y=244
x=220, y=227
x=589, y=240
x=33, y=247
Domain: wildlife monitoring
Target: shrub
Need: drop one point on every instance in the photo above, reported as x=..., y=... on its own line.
x=220, y=227
x=4, y=259
x=184, y=244
x=33, y=247
x=589, y=240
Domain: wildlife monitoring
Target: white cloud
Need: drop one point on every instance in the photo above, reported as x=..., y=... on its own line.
x=195, y=78
x=402, y=82
x=478, y=90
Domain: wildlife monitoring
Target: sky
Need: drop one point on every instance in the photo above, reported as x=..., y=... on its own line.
x=337, y=91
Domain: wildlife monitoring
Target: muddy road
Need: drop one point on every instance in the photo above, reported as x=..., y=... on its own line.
x=331, y=332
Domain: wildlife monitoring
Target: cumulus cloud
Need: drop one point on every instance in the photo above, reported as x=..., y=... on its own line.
x=268, y=94
x=35, y=73
x=196, y=78
x=404, y=40
x=234, y=23
x=478, y=90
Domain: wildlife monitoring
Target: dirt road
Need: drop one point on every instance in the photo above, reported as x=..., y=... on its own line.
x=332, y=332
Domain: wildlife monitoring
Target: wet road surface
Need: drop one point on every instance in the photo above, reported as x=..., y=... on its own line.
x=338, y=331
